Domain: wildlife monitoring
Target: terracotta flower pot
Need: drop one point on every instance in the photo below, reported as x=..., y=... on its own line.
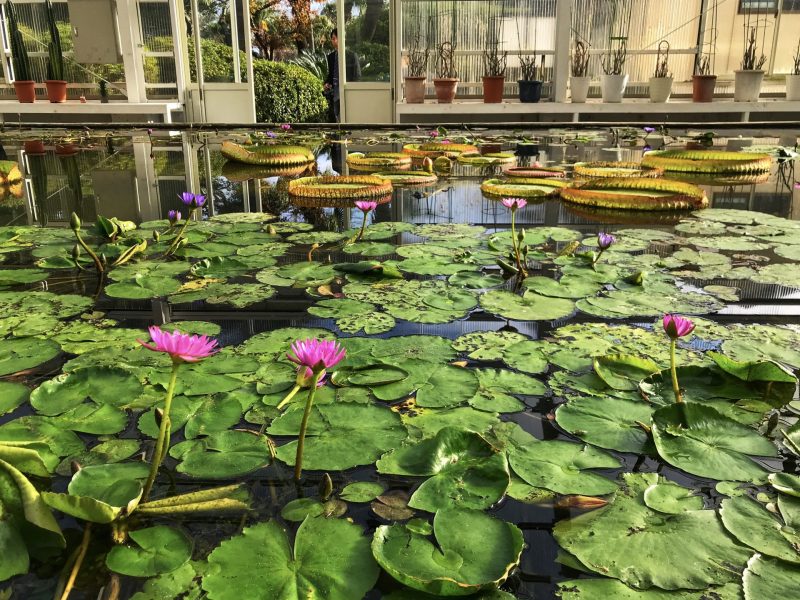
x=26, y=91
x=415, y=90
x=34, y=147
x=703, y=87
x=66, y=149
x=493, y=88
x=445, y=89
x=56, y=90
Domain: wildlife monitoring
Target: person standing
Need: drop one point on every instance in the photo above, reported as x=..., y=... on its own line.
x=331, y=84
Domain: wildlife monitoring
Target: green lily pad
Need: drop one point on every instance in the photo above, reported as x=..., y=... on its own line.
x=222, y=455
x=330, y=559
x=424, y=423
x=25, y=353
x=769, y=579
x=103, y=385
x=562, y=467
x=21, y=276
x=487, y=345
x=527, y=356
x=497, y=388
x=611, y=423
x=180, y=583
x=528, y=307
x=474, y=552
x=340, y=436
x=608, y=589
x=624, y=371
x=786, y=483
x=114, y=484
x=671, y=498
x=463, y=469
x=353, y=316
x=753, y=525
x=12, y=395
x=362, y=491
x=629, y=541
x=158, y=550
x=703, y=442
x=238, y=295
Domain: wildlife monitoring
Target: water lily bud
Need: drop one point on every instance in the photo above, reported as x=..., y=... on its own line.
x=156, y=235
x=74, y=222
x=74, y=466
x=325, y=487
x=427, y=164
x=76, y=252
x=271, y=230
x=159, y=414
x=521, y=235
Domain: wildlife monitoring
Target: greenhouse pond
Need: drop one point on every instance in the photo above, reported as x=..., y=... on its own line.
x=489, y=434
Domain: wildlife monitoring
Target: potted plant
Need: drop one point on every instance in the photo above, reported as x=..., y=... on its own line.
x=793, y=78
x=748, y=81
x=530, y=86
x=34, y=147
x=580, y=80
x=494, y=73
x=661, y=81
x=446, y=81
x=414, y=88
x=24, y=85
x=56, y=85
x=614, y=80
x=103, y=88
x=703, y=81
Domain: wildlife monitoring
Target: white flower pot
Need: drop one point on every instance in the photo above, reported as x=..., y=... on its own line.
x=793, y=87
x=660, y=89
x=613, y=87
x=748, y=85
x=579, y=88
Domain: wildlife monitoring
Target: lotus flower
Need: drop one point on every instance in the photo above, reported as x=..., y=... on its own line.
x=315, y=355
x=174, y=216
x=514, y=203
x=180, y=346
x=605, y=240
x=677, y=327
x=286, y=127
x=366, y=205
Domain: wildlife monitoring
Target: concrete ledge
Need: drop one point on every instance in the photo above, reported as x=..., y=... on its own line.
x=477, y=110
x=82, y=110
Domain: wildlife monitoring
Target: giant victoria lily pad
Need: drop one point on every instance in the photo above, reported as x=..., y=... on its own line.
x=331, y=559
x=631, y=542
x=463, y=469
x=474, y=552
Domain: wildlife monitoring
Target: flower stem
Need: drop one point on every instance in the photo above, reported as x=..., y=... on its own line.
x=676, y=388
x=98, y=265
x=596, y=258
x=162, y=442
x=363, y=226
x=174, y=245
x=515, y=244
x=298, y=461
x=76, y=566
x=289, y=397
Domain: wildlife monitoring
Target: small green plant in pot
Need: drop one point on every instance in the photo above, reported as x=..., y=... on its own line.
x=56, y=85
x=749, y=78
x=793, y=78
x=530, y=85
x=103, y=89
x=24, y=85
x=661, y=81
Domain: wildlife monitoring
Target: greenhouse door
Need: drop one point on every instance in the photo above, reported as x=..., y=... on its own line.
x=225, y=87
x=366, y=59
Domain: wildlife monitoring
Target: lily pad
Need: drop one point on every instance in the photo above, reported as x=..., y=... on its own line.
x=222, y=455
x=352, y=316
x=463, y=469
x=362, y=491
x=474, y=552
x=608, y=589
x=769, y=579
x=607, y=422
x=331, y=559
x=528, y=307
x=629, y=541
x=25, y=353
x=12, y=395
x=103, y=385
x=158, y=550
x=753, y=525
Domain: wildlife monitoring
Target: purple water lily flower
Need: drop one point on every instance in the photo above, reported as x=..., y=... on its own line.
x=271, y=134
x=174, y=216
x=649, y=129
x=192, y=200
x=605, y=240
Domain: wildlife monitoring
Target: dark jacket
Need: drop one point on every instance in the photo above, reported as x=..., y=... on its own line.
x=351, y=64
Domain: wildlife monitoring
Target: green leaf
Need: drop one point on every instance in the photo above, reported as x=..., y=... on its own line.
x=701, y=441
x=463, y=469
x=331, y=560
x=222, y=455
x=362, y=491
x=103, y=385
x=487, y=345
x=340, y=436
x=474, y=552
x=25, y=353
x=624, y=371
x=528, y=307
x=768, y=579
x=607, y=422
x=158, y=550
x=671, y=498
x=750, y=523
x=602, y=589
x=115, y=484
x=755, y=370
x=629, y=541
x=785, y=483
x=179, y=583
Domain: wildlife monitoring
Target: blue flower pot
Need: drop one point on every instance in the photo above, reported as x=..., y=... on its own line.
x=530, y=91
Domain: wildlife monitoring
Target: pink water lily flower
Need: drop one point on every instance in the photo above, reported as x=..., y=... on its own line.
x=433, y=133
x=286, y=127
x=514, y=203
x=677, y=327
x=180, y=346
x=316, y=355
x=366, y=205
